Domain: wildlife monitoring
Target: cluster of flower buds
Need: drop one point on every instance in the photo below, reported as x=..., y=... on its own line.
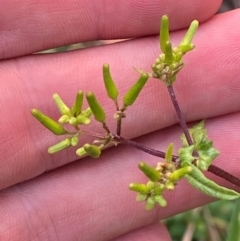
x=74, y=116
x=90, y=150
x=169, y=63
x=164, y=177
x=129, y=98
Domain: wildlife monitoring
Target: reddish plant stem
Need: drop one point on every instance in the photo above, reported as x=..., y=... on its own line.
x=212, y=168
x=141, y=147
x=223, y=174
x=181, y=118
x=119, y=124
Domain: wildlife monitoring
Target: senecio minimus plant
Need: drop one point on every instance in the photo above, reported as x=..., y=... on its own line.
x=196, y=154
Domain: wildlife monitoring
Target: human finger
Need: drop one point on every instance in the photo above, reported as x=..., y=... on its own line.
x=89, y=200
x=153, y=232
x=31, y=26
x=30, y=82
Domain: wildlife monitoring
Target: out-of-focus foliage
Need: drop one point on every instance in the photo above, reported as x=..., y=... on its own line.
x=207, y=223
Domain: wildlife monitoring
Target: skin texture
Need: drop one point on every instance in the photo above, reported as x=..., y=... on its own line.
x=88, y=199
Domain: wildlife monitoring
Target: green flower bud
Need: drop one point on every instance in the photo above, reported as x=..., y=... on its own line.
x=60, y=146
x=164, y=32
x=134, y=91
x=169, y=186
x=180, y=173
x=159, y=187
x=63, y=108
x=77, y=107
x=160, y=67
x=154, y=68
x=96, y=108
x=81, y=152
x=64, y=119
x=174, y=66
x=82, y=119
x=92, y=150
x=162, y=57
x=160, y=200
x=49, y=123
x=178, y=56
x=150, y=203
x=186, y=48
x=159, y=167
x=87, y=112
x=141, y=197
x=168, y=175
x=149, y=171
x=74, y=140
x=190, y=33
x=109, y=83
x=168, y=53
x=168, y=155
x=150, y=185
x=141, y=188
x=73, y=121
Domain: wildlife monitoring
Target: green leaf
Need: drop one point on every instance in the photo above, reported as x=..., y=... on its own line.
x=207, y=153
x=234, y=226
x=209, y=187
x=197, y=133
x=185, y=155
x=204, y=147
x=109, y=83
x=96, y=108
x=49, y=123
x=135, y=90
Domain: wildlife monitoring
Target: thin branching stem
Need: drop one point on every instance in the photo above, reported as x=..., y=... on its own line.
x=180, y=115
x=119, y=120
x=212, y=168
x=119, y=125
x=223, y=174
x=105, y=127
x=141, y=147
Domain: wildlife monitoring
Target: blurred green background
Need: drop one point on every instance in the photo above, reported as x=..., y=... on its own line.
x=207, y=223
